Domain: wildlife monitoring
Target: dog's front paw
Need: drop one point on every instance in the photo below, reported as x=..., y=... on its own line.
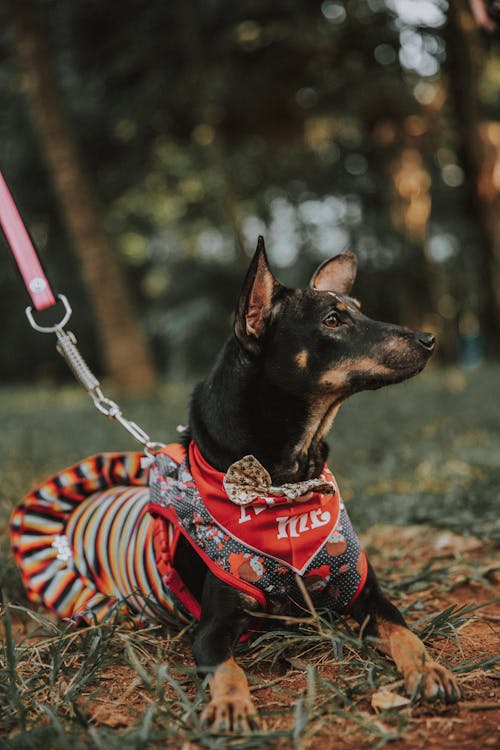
x=433, y=682
x=230, y=715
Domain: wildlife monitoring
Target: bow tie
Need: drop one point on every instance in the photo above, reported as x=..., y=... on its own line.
x=246, y=480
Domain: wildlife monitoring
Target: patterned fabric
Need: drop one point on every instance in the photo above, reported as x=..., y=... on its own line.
x=93, y=540
x=83, y=543
x=332, y=565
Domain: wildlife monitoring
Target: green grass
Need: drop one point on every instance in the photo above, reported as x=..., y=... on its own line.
x=427, y=451
x=51, y=681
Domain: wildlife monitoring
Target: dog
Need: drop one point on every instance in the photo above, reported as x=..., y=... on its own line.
x=246, y=514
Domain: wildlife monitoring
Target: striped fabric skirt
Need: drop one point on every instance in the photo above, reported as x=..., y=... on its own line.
x=83, y=541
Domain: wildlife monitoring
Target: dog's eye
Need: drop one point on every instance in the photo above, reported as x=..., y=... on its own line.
x=332, y=320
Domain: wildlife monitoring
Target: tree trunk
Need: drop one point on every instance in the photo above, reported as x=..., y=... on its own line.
x=480, y=160
x=126, y=354
x=189, y=19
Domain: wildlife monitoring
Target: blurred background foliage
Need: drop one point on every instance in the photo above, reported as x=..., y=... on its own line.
x=370, y=125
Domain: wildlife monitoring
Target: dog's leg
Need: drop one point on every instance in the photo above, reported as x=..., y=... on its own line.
x=384, y=621
x=222, y=622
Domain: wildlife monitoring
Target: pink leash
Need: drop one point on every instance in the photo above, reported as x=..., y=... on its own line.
x=25, y=254
x=42, y=297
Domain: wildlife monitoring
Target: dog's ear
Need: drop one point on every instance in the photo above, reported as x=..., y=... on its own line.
x=255, y=303
x=336, y=274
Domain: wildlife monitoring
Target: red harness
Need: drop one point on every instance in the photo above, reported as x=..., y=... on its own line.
x=86, y=543
x=259, y=548
x=289, y=532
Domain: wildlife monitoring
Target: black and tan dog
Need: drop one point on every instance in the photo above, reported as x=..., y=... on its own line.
x=295, y=356
x=247, y=514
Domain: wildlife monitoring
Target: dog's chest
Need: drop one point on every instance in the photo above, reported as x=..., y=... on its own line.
x=260, y=550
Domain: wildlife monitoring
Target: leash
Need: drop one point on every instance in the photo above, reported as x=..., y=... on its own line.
x=42, y=296
x=25, y=255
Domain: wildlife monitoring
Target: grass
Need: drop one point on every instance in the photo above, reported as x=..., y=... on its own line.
x=426, y=453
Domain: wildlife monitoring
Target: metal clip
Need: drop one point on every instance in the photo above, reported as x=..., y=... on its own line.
x=67, y=348
x=111, y=409
x=58, y=326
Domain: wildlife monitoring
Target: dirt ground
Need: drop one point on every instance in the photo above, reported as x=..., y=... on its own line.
x=468, y=576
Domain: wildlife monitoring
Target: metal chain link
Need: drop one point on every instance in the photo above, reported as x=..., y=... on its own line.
x=67, y=348
x=111, y=409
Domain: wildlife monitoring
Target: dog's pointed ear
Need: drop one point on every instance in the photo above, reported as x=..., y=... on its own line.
x=256, y=299
x=336, y=274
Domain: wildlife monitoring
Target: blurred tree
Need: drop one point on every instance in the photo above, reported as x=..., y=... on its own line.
x=323, y=125
x=480, y=146
x=207, y=129
x=125, y=349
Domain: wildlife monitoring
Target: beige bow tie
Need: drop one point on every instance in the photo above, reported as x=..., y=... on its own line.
x=246, y=480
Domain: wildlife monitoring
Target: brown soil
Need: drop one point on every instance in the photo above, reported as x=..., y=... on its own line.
x=472, y=723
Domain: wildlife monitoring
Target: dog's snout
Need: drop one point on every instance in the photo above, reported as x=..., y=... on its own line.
x=428, y=340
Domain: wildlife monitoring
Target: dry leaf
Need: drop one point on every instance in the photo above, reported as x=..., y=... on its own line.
x=448, y=544
x=384, y=699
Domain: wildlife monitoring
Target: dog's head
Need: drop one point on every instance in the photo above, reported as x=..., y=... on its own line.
x=317, y=340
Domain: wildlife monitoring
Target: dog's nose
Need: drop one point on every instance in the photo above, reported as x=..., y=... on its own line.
x=428, y=340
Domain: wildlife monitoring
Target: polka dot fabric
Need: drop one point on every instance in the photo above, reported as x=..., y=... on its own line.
x=334, y=577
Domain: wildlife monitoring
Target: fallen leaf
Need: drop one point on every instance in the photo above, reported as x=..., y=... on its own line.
x=384, y=699
x=448, y=544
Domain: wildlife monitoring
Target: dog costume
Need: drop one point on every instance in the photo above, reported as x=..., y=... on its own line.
x=94, y=538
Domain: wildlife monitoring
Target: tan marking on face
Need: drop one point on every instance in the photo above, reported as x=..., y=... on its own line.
x=336, y=377
x=343, y=306
x=370, y=365
x=301, y=359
